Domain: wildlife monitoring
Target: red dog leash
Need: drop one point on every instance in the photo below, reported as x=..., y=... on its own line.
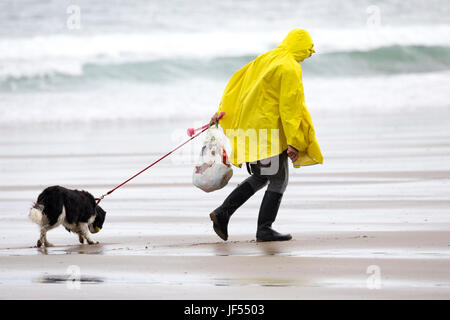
x=191, y=133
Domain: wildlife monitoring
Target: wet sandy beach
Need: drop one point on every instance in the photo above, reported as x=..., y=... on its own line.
x=373, y=222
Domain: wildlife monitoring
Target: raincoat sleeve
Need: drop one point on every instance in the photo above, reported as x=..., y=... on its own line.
x=291, y=109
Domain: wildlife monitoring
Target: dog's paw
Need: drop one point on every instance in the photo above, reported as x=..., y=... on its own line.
x=81, y=239
x=38, y=244
x=48, y=244
x=93, y=242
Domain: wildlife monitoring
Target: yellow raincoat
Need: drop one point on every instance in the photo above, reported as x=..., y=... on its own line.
x=267, y=94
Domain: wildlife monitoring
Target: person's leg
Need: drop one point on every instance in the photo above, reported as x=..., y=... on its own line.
x=279, y=181
x=271, y=203
x=221, y=215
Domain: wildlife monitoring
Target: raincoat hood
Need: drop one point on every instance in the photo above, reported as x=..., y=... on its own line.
x=265, y=108
x=298, y=43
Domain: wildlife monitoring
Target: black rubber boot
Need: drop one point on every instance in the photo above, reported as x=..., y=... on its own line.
x=267, y=215
x=221, y=216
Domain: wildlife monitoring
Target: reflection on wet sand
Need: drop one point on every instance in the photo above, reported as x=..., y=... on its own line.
x=271, y=248
x=68, y=278
x=84, y=249
x=97, y=249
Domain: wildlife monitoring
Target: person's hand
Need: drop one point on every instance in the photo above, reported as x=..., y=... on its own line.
x=214, y=119
x=292, y=153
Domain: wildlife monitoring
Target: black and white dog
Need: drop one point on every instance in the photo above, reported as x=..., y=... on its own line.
x=75, y=210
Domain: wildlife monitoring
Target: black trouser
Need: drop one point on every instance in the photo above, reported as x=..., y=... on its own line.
x=268, y=171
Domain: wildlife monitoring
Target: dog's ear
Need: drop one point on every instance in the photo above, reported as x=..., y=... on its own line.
x=100, y=216
x=99, y=210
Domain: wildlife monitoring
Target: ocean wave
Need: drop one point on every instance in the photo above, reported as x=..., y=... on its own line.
x=67, y=53
x=58, y=74
x=160, y=45
x=381, y=61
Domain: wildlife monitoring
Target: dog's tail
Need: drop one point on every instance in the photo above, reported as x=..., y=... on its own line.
x=35, y=214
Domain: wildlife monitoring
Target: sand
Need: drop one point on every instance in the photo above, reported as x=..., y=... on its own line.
x=373, y=222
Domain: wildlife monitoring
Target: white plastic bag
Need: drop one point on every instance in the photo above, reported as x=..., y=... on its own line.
x=213, y=170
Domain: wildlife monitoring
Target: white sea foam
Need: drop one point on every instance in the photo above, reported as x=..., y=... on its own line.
x=67, y=54
x=198, y=99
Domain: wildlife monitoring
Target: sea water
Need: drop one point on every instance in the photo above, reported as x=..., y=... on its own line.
x=87, y=61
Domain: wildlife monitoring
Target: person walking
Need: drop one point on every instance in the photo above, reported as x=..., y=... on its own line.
x=264, y=103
